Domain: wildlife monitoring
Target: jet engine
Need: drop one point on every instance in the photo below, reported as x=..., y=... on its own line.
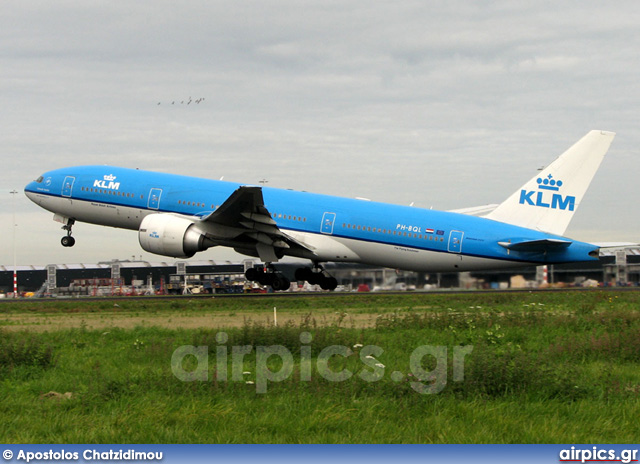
x=170, y=235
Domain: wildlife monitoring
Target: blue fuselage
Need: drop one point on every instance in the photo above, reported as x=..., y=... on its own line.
x=377, y=233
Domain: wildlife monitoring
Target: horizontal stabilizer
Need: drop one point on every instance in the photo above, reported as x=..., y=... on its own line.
x=616, y=244
x=536, y=246
x=476, y=210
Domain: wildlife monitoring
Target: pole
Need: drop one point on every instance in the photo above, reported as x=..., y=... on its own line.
x=13, y=226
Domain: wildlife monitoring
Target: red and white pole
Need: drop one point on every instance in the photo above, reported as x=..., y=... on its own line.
x=545, y=275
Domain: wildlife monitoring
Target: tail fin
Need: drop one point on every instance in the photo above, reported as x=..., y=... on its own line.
x=548, y=201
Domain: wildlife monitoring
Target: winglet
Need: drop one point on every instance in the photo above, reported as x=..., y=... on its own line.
x=548, y=201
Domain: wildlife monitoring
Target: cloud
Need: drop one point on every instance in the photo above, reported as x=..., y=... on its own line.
x=408, y=102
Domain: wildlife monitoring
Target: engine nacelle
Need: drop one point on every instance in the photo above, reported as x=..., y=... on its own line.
x=169, y=235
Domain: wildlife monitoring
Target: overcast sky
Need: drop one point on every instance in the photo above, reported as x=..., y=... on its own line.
x=446, y=104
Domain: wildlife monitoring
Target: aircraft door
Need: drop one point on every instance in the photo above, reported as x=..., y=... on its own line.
x=455, y=241
x=154, y=198
x=67, y=186
x=327, y=223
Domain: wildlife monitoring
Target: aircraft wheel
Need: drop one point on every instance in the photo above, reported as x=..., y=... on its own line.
x=280, y=282
x=251, y=274
x=303, y=273
x=68, y=241
x=265, y=278
x=315, y=278
x=328, y=283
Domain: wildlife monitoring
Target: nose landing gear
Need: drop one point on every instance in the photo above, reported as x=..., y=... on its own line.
x=68, y=240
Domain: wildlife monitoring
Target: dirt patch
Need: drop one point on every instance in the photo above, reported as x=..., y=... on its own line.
x=54, y=322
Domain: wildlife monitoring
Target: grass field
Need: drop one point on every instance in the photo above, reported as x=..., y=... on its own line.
x=547, y=367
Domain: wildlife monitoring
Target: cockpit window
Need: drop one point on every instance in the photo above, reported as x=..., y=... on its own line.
x=39, y=179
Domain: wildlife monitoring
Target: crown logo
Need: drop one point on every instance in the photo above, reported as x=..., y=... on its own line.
x=110, y=177
x=549, y=183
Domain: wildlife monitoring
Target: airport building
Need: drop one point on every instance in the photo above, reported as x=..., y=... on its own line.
x=616, y=267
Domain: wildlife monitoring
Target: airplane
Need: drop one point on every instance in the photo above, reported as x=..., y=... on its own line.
x=179, y=216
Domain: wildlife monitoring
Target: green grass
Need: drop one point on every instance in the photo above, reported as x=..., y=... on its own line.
x=545, y=368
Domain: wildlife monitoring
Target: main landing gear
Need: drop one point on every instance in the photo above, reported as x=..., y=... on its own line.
x=268, y=276
x=317, y=276
x=68, y=240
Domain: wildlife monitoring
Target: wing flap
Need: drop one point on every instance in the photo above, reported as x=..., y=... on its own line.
x=261, y=217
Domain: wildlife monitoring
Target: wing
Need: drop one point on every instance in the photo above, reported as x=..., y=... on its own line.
x=244, y=223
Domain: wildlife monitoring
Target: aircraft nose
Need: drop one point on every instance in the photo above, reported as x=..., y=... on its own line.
x=29, y=190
